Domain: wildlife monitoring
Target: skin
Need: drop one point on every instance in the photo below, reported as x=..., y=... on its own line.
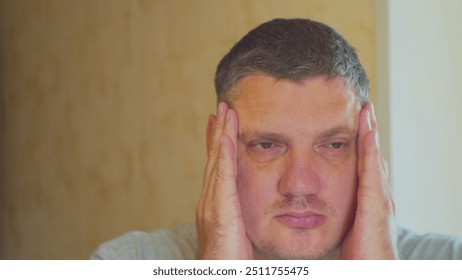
x=295, y=172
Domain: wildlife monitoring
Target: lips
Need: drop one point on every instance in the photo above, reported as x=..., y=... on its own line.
x=306, y=220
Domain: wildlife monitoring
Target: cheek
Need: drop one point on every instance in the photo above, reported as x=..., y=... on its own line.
x=256, y=187
x=342, y=188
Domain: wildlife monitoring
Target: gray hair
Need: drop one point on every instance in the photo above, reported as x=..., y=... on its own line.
x=293, y=49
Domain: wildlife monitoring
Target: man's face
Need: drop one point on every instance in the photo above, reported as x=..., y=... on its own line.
x=297, y=164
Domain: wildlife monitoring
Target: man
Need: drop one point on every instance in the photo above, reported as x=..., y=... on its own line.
x=294, y=165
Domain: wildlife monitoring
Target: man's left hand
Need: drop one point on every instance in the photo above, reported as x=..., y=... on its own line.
x=373, y=234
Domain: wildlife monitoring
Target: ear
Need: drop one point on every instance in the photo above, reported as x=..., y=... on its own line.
x=209, y=133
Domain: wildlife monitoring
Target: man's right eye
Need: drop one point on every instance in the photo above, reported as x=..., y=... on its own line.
x=264, y=145
x=265, y=151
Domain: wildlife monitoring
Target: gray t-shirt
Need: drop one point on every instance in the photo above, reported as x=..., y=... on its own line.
x=181, y=244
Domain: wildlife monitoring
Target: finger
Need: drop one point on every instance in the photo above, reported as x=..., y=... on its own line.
x=365, y=126
x=383, y=162
x=388, y=185
x=373, y=117
x=219, y=125
x=225, y=168
x=216, y=136
x=373, y=181
x=225, y=183
x=371, y=167
x=231, y=130
x=372, y=146
x=217, y=129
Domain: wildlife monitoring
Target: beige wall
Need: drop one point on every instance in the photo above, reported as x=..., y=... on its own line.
x=423, y=78
x=104, y=105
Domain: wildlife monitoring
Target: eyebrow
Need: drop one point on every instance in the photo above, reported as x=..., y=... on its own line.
x=270, y=136
x=338, y=130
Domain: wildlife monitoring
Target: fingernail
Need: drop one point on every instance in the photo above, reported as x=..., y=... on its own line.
x=376, y=139
x=368, y=120
x=372, y=108
x=374, y=118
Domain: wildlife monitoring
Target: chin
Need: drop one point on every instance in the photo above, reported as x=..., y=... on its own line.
x=273, y=252
x=301, y=247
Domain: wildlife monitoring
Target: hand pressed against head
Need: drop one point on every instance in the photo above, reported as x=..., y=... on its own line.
x=297, y=164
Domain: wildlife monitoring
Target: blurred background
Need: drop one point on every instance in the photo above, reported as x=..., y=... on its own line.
x=104, y=105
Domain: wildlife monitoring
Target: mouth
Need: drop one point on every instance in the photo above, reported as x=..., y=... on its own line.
x=305, y=220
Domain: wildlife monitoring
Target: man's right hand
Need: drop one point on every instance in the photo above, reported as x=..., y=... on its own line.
x=220, y=226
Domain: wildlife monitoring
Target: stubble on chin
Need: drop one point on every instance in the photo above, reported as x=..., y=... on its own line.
x=270, y=251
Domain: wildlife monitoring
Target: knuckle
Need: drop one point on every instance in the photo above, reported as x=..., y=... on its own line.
x=221, y=174
x=212, y=154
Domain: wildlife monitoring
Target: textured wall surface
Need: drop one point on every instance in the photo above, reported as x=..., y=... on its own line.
x=104, y=107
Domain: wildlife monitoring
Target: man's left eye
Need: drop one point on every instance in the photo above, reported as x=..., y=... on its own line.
x=336, y=145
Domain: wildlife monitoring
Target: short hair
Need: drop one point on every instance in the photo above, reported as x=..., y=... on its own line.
x=293, y=49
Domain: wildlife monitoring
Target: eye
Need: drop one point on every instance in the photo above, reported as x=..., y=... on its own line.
x=336, y=145
x=263, y=150
x=337, y=148
x=264, y=145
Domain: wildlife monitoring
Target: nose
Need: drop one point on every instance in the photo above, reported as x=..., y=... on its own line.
x=300, y=176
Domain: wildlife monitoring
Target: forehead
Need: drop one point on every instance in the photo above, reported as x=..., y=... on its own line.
x=311, y=104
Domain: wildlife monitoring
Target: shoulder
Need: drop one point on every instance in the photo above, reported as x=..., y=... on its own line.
x=168, y=244
x=428, y=246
